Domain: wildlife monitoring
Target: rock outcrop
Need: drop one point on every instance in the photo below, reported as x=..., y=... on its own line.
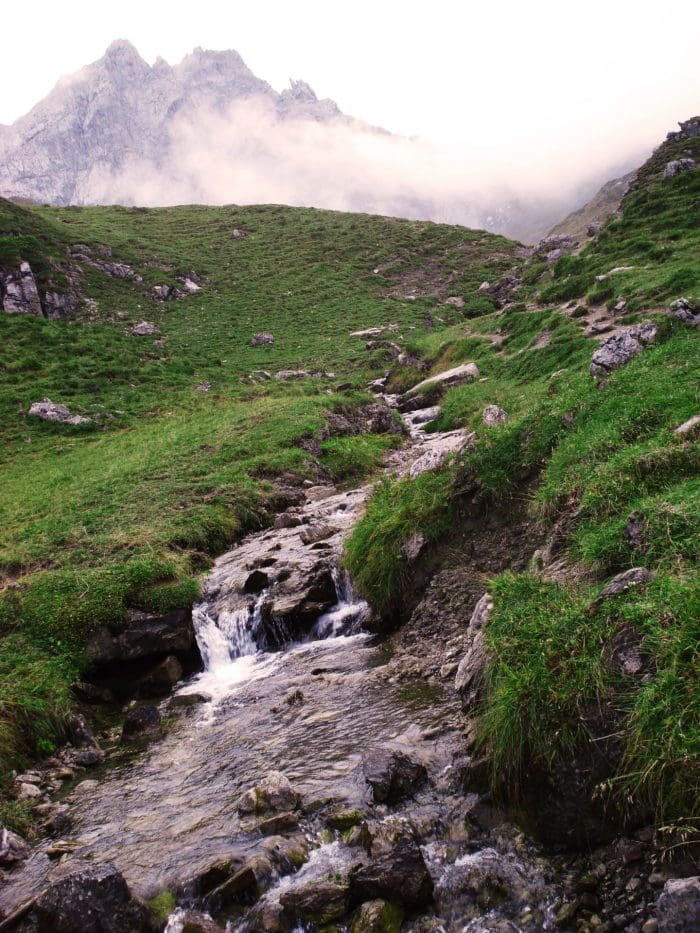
x=18, y=291
x=53, y=411
x=621, y=348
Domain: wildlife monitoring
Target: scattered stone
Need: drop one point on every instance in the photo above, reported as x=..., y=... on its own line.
x=677, y=166
x=28, y=792
x=117, y=270
x=377, y=916
x=262, y=339
x=466, y=372
x=678, y=907
x=399, y=874
x=620, y=306
x=273, y=793
x=622, y=347
x=237, y=234
x=593, y=229
x=368, y=333
x=470, y=673
x=557, y=241
x=493, y=415
x=413, y=548
x=13, y=848
x=456, y=301
x=95, y=899
x=19, y=293
x=140, y=721
x=168, y=293
x=317, y=902
x=685, y=310
x=260, y=375
x=303, y=374
x=203, y=387
x=144, y=329
x=689, y=428
x=52, y=411
x=392, y=775
x=315, y=533
x=636, y=576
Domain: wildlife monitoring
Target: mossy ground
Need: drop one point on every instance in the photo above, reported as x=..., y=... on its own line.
x=124, y=512
x=596, y=453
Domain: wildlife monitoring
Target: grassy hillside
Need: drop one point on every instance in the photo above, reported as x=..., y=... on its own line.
x=593, y=457
x=184, y=443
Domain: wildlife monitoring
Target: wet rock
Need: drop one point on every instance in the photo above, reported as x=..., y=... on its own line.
x=318, y=902
x=493, y=415
x=689, y=428
x=470, y=673
x=677, y=166
x=87, y=757
x=52, y=411
x=344, y=818
x=315, y=533
x=621, y=348
x=392, y=775
x=193, y=921
x=278, y=824
x=161, y=679
x=398, y=875
x=377, y=916
x=146, y=636
x=188, y=700
x=81, y=734
x=273, y=793
x=91, y=693
x=13, y=848
x=287, y=520
x=678, y=907
x=245, y=886
x=140, y=721
x=262, y=339
x=95, y=899
x=636, y=576
x=144, y=329
x=19, y=293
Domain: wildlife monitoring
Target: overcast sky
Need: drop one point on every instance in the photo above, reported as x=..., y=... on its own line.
x=543, y=75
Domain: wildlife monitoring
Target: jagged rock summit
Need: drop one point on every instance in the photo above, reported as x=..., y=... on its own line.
x=120, y=111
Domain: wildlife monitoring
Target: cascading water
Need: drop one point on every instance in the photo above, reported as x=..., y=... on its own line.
x=348, y=614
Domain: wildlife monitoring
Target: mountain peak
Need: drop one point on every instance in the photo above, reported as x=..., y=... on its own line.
x=121, y=49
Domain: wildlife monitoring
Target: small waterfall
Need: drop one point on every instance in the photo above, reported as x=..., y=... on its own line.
x=229, y=636
x=348, y=614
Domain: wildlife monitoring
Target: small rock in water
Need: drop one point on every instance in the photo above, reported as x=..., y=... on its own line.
x=391, y=774
x=317, y=902
x=141, y=720
x=377, y=916
x=273, y=793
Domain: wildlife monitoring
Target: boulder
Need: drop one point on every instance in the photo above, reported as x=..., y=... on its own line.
x=436, y=455
x=677, y=166
x=273, y=793
x=262, y=339
x=469, y=678
x=144, y=329
x=94, y=899
x=689, y=428
x=685, y=309
x=161, y=679
x=244, y=886
x=621, y=348
x=317, y=902
x=141, y=721
x=392, y=775
x=52, y=411
x=13, y=848
x=19, y=293
x=493, y=415
x=399, y=875
x=678, y=907
x=147, y=636
x=168, y=293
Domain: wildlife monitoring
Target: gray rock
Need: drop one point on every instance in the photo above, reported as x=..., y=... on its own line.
x=458, y=375
x=677, y=166
x=392, y=775
x=95, y=899
x=144, y=329
x=368, y=333
x=470, y=673
x=493, y=415
x=140, y=721
x=168, y=293
x=455, y=300
x=689, y=428
x=81, y=734
x=558, y=241
x=623, y=581
x=685, y=310
x=260, y=375
x=441, y=447
x=52, y=411
x=678, y=907
x=193, y=921
x=13, y=848
x=262, y=339
x=397, y=875
x=275, y=792
x=57, y=305
x=159, y=681
x=284, y=374
x=237, y=234
x=146, y=636
x=19, y=293
x=621, y=348
x=317, y=902
x=244, y=886
x=413, y=548
x=593, y=229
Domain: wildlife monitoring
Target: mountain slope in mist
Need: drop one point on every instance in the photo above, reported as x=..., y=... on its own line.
x=209, y=131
